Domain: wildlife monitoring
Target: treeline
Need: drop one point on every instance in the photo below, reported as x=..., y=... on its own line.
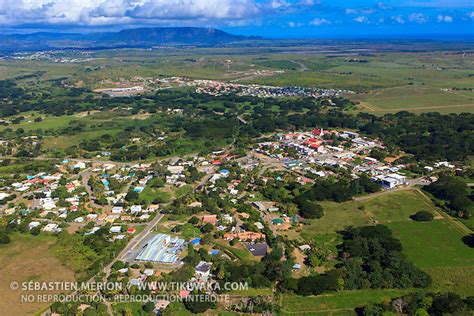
x=421, y=303
x=428, y=136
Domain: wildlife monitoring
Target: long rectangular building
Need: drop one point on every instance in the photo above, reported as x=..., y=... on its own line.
x=162, y=248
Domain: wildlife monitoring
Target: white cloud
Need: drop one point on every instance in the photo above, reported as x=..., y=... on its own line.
x=295, y=24
x=319, y=21
x=307, y=3
x=445, y=18
x=361, y=19
x=398, y=19
x=382, y=6
x=101, y=12
x=419, y=18
x=359, y=11
x=471, y=15
x=279, y=4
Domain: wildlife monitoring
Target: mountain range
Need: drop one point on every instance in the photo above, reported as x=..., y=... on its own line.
x=140, y=37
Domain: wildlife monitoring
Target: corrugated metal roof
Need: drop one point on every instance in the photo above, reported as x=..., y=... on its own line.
x=162, y=248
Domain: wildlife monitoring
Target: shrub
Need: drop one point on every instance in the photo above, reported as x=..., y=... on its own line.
x=422, y=216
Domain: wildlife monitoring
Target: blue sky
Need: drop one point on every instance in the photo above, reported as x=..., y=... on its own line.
x=268, y=18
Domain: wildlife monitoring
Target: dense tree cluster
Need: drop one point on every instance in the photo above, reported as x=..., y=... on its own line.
x=371, y=258
x=338, y=190
x=455, y=193
x=429, y=136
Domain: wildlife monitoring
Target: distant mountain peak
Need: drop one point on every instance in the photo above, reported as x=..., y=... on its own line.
x=137, y=37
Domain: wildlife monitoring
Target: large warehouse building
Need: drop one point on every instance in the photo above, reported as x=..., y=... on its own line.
x=162, y=248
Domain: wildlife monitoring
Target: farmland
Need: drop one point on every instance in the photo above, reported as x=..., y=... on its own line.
x=386, y=81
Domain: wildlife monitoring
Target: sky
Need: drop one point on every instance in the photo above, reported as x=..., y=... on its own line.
x=267, y=18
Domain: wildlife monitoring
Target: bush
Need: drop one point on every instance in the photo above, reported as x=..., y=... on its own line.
x=35, y=231
x=118, y=265
x=422, y=216
x=4, y=238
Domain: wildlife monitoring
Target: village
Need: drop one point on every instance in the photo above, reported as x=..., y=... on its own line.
x=321, y=152
x=218, y=206
x=137, y=85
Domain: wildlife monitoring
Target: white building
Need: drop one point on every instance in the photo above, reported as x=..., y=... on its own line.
x=203, y=270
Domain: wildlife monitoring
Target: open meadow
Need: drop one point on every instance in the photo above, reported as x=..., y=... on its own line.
x=28, y=258
x=341, y=303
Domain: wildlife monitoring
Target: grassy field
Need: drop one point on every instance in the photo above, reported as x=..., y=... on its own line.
x=28, y=258
x=339, y=303
x=386, y=208
x=150, y=194
x=415, y=99
x=437, y=248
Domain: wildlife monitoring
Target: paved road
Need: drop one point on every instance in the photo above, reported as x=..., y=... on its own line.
x=86, y=174
x=3, y=207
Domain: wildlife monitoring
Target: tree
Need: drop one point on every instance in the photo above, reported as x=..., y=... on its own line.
x=469, y=240
x=132, y=196
x=193, y=220
x=207, y=228
x=198, y=306
x=148, y=307
x=378, y=154
x=422, y=216
x=446, y=303
x=310, y=209
x=118, y=265
x=314, y=260
x=35, y=231
x=460, y=203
